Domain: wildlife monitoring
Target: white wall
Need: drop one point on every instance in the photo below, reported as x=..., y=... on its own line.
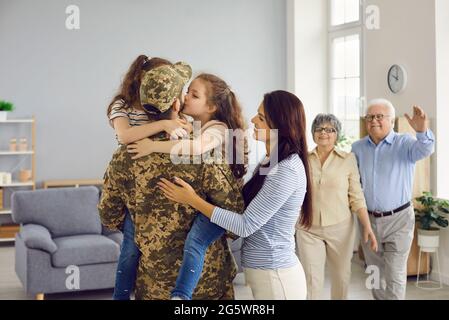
x=67, y=78
x=407, y=37
x=442, y=115
x=442, y=106
x=307, y=61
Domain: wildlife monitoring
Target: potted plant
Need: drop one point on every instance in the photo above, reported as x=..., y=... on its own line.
x=5, y=107
x=345, y=142
x=430, y=217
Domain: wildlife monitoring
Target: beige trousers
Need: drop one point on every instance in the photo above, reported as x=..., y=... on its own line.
x=333, y=245
x=277, y=284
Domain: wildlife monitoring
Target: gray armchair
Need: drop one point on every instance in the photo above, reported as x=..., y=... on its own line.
x=61, y=234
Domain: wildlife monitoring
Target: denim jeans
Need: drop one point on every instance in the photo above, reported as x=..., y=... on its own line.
x=201, y=235
x=127, y=263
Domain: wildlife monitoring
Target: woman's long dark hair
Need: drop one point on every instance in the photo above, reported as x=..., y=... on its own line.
x=285, y=112
x=130, y=87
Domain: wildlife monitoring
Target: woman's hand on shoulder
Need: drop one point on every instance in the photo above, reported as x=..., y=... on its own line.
x=180, y=191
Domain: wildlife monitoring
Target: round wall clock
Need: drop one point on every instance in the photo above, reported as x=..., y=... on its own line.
x=397, y=78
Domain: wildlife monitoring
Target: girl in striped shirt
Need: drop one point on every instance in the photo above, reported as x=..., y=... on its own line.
x=126, y=114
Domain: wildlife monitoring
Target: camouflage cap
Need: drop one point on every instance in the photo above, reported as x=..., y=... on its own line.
x=162, y=85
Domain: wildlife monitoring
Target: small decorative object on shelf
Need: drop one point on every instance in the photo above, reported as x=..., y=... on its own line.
x=25, y=175
x=5, y=178
x=13, y=145
x=5, y=107
x=23, y=146
x=1, y=198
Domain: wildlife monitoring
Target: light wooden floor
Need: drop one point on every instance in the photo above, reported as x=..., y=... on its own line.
x=11, y=288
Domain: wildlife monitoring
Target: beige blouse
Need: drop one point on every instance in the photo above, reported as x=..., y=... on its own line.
x=336, y=188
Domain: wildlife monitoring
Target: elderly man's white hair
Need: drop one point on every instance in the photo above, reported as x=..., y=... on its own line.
x=384, y=102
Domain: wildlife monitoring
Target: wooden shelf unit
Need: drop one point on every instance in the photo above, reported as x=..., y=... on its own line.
x=7, y=231
x=72, y=183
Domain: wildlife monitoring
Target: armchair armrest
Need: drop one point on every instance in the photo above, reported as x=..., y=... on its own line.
x=37, y=237
x=107, y=232
x=114, y=235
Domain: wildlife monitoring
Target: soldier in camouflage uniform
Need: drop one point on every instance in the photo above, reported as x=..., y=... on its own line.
x=161, y=226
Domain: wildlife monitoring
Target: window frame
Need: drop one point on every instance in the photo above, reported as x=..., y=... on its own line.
x=339, y=31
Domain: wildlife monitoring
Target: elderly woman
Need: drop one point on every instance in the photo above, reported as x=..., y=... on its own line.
x=336, y=192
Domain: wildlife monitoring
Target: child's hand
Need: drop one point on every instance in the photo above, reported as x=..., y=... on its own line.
x=186, y=125
x=177, y=128
x=141, y=148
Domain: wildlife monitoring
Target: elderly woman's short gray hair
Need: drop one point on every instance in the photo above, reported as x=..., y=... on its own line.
x=323, y=118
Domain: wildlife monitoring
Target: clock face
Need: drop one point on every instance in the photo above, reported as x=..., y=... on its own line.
x=397, y=78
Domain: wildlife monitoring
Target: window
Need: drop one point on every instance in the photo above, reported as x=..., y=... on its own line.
x=345, y=72
x=344, y=11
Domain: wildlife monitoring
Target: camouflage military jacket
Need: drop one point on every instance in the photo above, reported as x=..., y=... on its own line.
x=161, y=226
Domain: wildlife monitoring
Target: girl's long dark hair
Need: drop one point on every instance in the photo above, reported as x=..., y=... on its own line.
x=130, y=87
x=229, y=112
x=285, y=112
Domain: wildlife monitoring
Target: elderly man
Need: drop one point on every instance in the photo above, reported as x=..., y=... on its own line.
x=161, y=225
x=386, y=163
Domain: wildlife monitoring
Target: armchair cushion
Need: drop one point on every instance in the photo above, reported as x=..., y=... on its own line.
x=37, y=237
x=63, y=211
x=84, y=249
x=117, y=237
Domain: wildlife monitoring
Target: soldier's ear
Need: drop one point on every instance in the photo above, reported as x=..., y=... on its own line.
x=176, y=105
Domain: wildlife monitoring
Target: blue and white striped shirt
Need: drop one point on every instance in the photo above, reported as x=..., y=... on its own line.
x=268, y=223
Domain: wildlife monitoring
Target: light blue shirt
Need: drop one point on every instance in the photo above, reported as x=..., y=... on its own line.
x=268, y=223
x=387, y=169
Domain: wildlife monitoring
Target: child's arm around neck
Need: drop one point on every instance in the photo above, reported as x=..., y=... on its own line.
x=127, y=134
x=207, y=141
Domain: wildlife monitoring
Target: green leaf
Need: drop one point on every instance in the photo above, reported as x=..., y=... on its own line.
x=431, y=211
x=443, y=209
x=425, y=222
x=420, y=199
x=442, y=222
x=6, y=106
x=434, y=215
